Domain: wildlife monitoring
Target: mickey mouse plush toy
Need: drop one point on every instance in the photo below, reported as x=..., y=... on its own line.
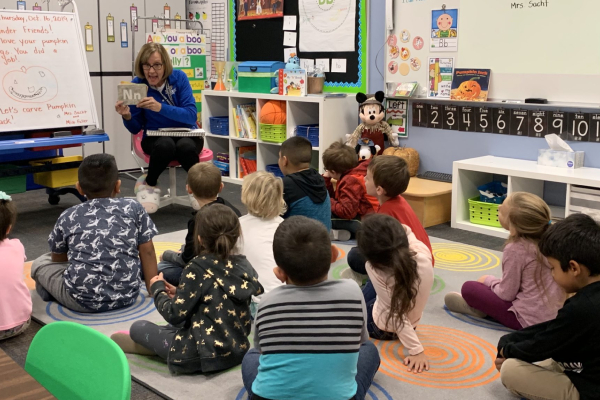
x=373, y=126
x=366, y=149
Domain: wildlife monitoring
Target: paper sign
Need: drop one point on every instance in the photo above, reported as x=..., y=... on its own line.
x=323, y=63
x=287, y=53
x=197, y=85
x=199, y=73
x=198, y=97
x=188, y=72
x=307, y=63
x=289, y=23
x=338, y=65
x=289, y=38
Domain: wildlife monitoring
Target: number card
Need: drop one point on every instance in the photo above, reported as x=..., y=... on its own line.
x=450, y=118
x=419, y=115
x=466, y=121
x=518, y=122
x=501, y=121
x=484, y=120
x=434, y=116
x=557, y=124
x=594, y=128
x=538, y=123
x=579, y=126
x=133, y=14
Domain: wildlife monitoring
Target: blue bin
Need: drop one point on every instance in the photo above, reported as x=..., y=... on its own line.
x=311, y=132
x=493, y=187
x=219, y=126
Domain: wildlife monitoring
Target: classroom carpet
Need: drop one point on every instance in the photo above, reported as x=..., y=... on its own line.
x=461, y=348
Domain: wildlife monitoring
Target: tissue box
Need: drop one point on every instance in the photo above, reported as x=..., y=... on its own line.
x=562, y=159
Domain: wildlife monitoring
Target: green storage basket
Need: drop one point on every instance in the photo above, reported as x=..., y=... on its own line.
x=483, y=213
x=12, y=184
x=272, y=133
x=256, y=82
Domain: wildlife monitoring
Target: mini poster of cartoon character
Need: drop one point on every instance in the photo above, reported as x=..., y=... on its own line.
x=444, y=30
x=439, y=77
x=396, y=115
x=259, y=9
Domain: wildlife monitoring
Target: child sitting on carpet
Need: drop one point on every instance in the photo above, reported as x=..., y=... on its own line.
x=349, y=201
x=204, y=183
x=15, y=301
x=96, y=247
x=566, y=350
x=387, y=178
x=262, y=194
x=311, y=339
x=401, y=277
x=211, y=305
x=526, y=294
x=304, y=188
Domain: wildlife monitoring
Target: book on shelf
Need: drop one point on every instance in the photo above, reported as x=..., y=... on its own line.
x=471, y=84
x=246, y=160
x=246, y=121
x=236, y=122
x=292, y=82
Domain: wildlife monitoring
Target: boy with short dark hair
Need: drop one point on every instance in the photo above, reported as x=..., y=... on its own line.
x=567, y=348
x=297, y=354
x=99, y=248
x=204, y=183
x=387, y=178
x=349, y=199
x=304, y=189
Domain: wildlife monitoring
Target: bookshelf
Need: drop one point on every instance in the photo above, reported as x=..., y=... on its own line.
x=336, y=116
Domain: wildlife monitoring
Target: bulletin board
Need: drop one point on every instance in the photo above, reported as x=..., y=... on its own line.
x=262, y=40
x=534, y=48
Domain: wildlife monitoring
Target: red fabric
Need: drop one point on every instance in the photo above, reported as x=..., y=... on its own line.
x=399, y=208
x=376, y=135
x=360, y=172
x=349, y=199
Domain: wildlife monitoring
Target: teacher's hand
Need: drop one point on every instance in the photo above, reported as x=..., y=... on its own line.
x=123, y=110
x=149, y=103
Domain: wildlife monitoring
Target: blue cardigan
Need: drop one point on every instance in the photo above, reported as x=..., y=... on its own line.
x=183, y=114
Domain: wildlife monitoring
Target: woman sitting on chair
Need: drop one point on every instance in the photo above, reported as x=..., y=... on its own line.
x=170, y=104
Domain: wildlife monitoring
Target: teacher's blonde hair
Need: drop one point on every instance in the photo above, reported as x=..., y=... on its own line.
x=144, y=55
x=262, y=194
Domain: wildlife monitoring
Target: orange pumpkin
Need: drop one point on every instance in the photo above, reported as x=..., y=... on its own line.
x=410, y=155
x=470, y=89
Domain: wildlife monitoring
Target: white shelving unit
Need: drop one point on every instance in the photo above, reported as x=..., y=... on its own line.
x=523, y=176
x=336, y=116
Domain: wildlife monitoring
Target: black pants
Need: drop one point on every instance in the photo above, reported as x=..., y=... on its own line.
x=163, y=150
x=350, y=225
x=153, y=337
x=357, y=261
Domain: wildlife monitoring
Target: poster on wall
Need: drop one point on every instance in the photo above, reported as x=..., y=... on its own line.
x=259, y=9
x=444, y=30
x=439, y=78
x=327, y=25
x=396, y=115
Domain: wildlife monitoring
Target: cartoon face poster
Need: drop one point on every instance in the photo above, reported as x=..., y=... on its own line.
x=439, y=78
x=444, y=30
x=259, y=9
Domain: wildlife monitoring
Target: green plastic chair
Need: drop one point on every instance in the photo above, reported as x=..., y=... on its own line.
x=75, y=362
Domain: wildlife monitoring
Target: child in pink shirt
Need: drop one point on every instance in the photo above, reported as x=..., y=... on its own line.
x=526, y=294
x=15, y=301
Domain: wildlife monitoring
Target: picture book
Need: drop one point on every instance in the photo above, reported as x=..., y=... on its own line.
x=470, y=84
x=246, y=160
x=406, y=89
x=396, y=115
x=292, y=82
x=439, y=79
x=246, y=121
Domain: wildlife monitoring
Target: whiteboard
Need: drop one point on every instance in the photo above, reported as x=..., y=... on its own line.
x=43, y=72
x=535, y=48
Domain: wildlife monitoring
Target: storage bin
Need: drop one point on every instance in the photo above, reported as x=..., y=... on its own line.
x=219, y=126
x=223, y=167
x=483, y=213
x=275, y=170
x=12, y=184
x=493, y=187
x=12, y=137
x=585, y=200
x=272, y=133
x=311, y=132
x=258, y=76
x=56, y=179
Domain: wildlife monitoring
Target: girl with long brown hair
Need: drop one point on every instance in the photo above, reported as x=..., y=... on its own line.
x=401, y=276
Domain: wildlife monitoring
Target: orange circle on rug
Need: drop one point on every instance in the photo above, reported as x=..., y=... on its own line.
x=458, y=360
x=28, y=280
x=341, y=253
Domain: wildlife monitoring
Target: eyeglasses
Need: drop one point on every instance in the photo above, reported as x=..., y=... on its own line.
x=156, y=67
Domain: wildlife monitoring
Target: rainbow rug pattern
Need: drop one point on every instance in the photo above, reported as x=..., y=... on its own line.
x=461, y=349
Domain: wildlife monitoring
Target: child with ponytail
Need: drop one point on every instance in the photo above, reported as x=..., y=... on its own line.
x=15, y=301
x=209, y=312
x=401, y=276
x=526, y=294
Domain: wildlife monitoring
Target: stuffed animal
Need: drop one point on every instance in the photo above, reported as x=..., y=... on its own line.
x=293, y=62
x=373, y=126
x=366, y=149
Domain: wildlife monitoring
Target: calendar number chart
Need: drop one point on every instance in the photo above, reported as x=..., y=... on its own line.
x=466, y=121
x=579, y=127
x=538, y=123
x=419, y=115
x=434, y=116
x=595, y=128
x=450, y=118
x=519, y=124
x=501, y=121
x=558, y=124
x=484, y=120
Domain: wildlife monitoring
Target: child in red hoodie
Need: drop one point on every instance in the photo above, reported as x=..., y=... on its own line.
x=349, y=199
x=387, y=178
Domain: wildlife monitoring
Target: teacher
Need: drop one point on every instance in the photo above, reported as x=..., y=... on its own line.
x=170, y=104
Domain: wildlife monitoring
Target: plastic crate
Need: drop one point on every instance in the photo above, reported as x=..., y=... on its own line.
x=274, y=169
x=495, y=187
x=12, y=184
x=12, y=137
x=311, y=132
x=272, y=133
x=56, y=179
x=223, y=167
x=219, y=126
x=483, y=213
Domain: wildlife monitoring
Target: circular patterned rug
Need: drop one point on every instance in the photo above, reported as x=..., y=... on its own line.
x=438, y=284
x=375, y=392
x=480, y=322
x=462, y=257
x=458, y=360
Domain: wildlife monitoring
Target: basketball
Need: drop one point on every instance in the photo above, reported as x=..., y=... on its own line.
x=273, y=113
